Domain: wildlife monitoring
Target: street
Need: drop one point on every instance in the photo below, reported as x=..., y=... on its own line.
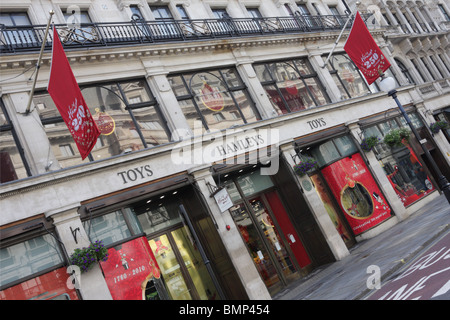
x=425, y=277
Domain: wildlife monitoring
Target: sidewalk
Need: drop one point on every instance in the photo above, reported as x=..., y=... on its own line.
x=390, y=250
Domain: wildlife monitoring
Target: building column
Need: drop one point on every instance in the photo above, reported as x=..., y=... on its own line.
x=317, y=208
x=231, y=238
x=325, y=77
x=168, y=103
x=379, y=174
x=91, y=284
x=254, y=87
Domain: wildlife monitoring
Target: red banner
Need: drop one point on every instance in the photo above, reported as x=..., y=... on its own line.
x=64, y=90
x=364, y=51
x=128, y=269
x=357, y=193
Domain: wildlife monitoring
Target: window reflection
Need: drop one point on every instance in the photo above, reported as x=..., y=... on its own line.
x=125, y=112
x=346, y=76
x=217, y=98
x=291, y=85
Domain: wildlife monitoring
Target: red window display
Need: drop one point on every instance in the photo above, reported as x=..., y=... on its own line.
x=357, y=193
x=129, y=268
x=49, y=286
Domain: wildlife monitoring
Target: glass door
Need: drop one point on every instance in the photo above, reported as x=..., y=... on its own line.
x=182, y=267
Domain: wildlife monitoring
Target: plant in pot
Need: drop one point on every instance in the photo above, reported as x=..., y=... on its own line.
x=439, y=125
x=397, y=137
x=307, y=164
x=368, y=143
x=85, y=258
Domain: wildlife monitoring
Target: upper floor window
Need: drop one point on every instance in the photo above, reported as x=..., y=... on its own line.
x=217, y=98
x=126, y=113
x=405, y=71
x=12, y=161
x=444, y=12
x=17, y=36
x=347, y=76
x=14, y=19
x=161, y=12
x=291, y=85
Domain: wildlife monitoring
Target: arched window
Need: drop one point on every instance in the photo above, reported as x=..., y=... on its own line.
x=405, y=71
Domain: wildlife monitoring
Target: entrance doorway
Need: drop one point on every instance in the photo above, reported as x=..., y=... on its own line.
x=181, y=266
x=272, y=241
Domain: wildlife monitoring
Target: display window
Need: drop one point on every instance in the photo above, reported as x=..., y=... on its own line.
x=402, y=166
x=346, y=187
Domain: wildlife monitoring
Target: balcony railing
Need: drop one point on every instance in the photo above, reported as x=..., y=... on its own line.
x=29, y=38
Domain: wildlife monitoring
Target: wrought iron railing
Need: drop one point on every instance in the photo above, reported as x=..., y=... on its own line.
x=29, y=38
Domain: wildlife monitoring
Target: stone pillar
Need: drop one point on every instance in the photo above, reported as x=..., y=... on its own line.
x=31, y=134
x=326, y=78
x=254, y=87
x=243, y=263
x=388, y=191
x=168, y=103
x=321, y=216
x=91, y=284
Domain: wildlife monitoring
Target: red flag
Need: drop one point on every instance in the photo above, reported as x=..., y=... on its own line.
x=64, y=90
x=364, y=52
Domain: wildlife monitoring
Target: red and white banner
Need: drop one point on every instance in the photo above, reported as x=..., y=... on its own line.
x=64, y=90
x=364, y=51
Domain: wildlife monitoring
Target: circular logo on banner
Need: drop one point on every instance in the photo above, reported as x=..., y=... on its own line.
x=211, y=98
x=105, y=122
x=356, y=200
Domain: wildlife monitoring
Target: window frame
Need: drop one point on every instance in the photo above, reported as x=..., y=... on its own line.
x=190, y=95
x=153, y=103
x=292, y=63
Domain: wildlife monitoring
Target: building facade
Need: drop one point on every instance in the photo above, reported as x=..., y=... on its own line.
x=205, y=108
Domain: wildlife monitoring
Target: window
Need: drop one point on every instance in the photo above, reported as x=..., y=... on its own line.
x=202, y=95
x=432, y=58
x=347, y=76
x=17, y=36
x=81, y=25
x=405, y=71
x=291, y=85
x=254, y=13
x=444, y=12
x=401, y=165
x=12, y=160
x=166, y=26
x=29, y=257
x=122, y=111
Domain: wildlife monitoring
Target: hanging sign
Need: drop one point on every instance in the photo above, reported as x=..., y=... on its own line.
x=223, y=200
x=357, y=193
x=128, y=269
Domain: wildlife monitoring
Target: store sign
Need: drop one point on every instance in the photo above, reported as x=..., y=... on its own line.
x=223, y=200
x=128, y=269
x=357, y=193
x=137, y=173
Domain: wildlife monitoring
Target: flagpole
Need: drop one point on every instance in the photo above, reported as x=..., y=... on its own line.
x=38, y=63
x=340, y=35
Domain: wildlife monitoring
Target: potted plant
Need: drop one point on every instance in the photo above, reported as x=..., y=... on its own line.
x=439, y=125
x=86, y=257
x=395, y=137
x=368, y=143
x=306, y=165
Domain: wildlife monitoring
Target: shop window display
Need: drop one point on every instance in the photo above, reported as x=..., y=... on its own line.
x=401, y=165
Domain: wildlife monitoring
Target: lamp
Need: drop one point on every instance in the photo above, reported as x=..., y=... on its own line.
x=387, y=84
